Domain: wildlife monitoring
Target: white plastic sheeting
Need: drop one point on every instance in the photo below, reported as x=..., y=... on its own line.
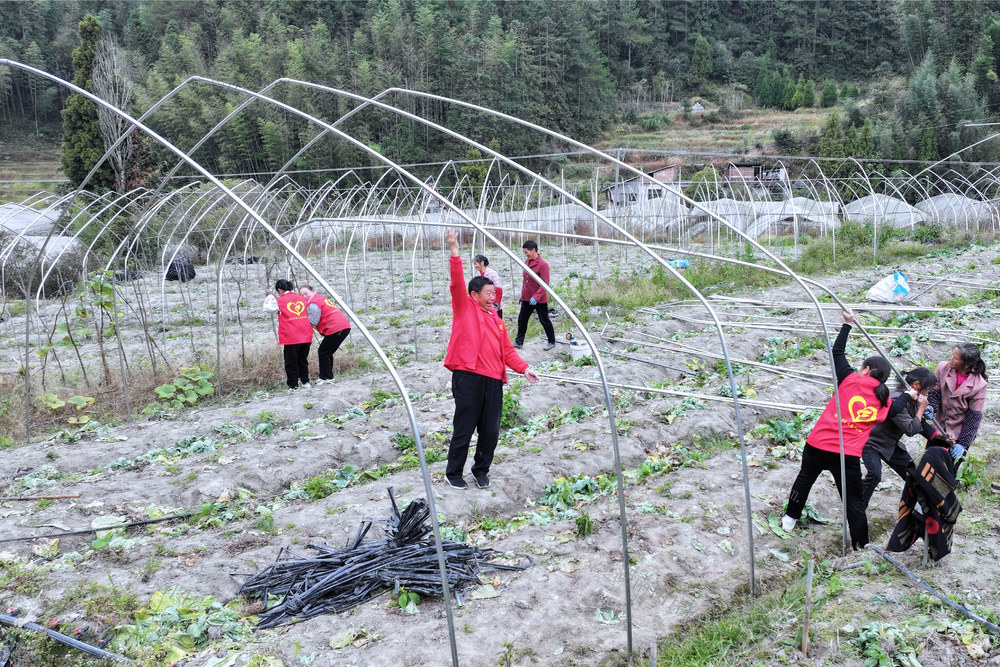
x=883, y=210
x=802, y=212
x=958, y=210
x=739, y=213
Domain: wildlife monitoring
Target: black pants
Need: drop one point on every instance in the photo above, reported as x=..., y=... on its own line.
x=543, y=316
x=327, y=347
x=873, y=464
x=815, y=461
x=296, y=364
x=478, y=402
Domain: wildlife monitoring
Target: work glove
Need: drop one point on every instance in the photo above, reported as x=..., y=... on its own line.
x=929, y=412
x=533, y=301
x=957, y=451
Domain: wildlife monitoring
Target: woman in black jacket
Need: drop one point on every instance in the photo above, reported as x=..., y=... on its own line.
x=883, y=443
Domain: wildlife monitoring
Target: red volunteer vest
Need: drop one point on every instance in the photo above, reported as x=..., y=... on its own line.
x=331, y=320
x=293, y=320
x=860, y=411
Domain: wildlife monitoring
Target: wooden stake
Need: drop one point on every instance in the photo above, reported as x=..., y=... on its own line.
x=809, y=595
x=4, y=499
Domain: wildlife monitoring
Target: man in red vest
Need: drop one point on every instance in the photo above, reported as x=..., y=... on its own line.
x=295, y=332
x=479, y=352
x=331, y=323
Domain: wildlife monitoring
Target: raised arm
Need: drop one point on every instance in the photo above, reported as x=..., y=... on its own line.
x=457, y=286
x=840, y=363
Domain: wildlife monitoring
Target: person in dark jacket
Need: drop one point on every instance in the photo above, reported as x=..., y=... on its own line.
x=883, y=443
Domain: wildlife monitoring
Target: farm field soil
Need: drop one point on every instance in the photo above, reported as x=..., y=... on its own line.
x=245, y=464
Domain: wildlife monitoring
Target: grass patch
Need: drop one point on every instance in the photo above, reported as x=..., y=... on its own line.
x=734, y=635
x=624, y=294
x=855, y=241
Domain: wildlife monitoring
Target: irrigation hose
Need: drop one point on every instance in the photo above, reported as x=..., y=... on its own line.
x=992, y=627
x=13, y=622
x=94, y=530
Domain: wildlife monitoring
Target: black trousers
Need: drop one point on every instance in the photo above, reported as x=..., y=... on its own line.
x=296, y=364
x=543, y=316
x=873, y=464
x=478, y=402
x=327, y=347
x=815, y=461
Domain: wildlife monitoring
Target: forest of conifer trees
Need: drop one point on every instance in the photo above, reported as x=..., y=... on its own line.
x=908, y=74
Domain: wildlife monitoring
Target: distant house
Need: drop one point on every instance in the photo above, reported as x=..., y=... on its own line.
x=697, y=107
x=742, y=172
x=641, y=188
x=431, y=204
x=762, y=178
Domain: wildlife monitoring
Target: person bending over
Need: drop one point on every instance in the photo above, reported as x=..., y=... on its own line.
x=332, y=324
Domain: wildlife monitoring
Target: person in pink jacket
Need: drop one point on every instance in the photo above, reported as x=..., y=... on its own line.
x=960, y=396
x=534, y=298
x=479, y=353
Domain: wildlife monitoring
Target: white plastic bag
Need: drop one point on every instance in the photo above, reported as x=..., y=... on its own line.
x=891, y=289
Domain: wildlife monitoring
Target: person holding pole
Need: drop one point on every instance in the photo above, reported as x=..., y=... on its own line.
x=864, y=402
x=912, y=418
x=960, y=397
x=479, y=352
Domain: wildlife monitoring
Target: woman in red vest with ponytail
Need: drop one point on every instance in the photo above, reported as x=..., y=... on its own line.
x=864, y=402
x=295, y=332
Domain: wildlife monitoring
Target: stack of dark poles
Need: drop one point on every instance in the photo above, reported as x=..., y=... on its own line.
x=339, y=579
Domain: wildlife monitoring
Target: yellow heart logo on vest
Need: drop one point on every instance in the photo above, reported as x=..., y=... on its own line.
x=864, y=413
x=295, y=307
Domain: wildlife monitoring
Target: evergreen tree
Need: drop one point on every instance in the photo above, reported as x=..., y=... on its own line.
x=831, y=142
x=788, y=97
x=851, y=141
x=865, y=147
x=82, y=144
x=928, y=146
x=809, y=94
x=701, y=61
x=798, y=98
x=983, y=70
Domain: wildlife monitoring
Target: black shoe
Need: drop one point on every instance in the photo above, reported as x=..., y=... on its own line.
x=482, y=481
x=458, y=482
x=549, y=347
x=517, y=346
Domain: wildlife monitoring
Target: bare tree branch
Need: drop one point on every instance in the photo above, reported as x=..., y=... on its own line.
x=113, y=81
